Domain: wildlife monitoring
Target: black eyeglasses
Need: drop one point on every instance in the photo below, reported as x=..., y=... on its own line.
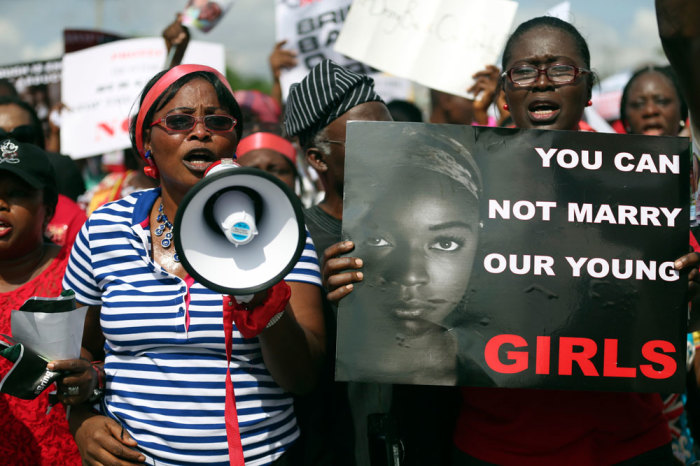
x=23, y=133
x=557, y=73
x=178, y=122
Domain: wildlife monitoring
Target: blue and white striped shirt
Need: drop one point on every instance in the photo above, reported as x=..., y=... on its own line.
x=166, y=382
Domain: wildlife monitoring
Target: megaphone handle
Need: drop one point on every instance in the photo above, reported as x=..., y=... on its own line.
x=244, y=298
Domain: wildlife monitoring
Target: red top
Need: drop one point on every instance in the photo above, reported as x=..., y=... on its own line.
x=66, y=222
x=29, y=435
x=547, y=427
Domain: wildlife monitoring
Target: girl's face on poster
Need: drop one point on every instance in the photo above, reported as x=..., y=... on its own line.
x=418, y=247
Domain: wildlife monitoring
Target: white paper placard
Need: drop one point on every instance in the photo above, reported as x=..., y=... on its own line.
x=437, y=43
x=54, y=335
x=310, y=28
x=100, y=86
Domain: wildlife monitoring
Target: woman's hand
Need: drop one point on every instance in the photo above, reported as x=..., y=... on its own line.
x=484, y=91
x=281, y=58
x=339, y=273
x=102, y=441
x=78, y=385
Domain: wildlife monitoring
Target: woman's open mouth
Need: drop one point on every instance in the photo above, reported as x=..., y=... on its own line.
x=653, y=129
x=5, y=229
x=543, y=111
x=198, y=160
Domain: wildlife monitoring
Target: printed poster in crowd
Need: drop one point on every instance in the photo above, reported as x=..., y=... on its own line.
x=101, y=85
x=437, y=43
x=79, y=39
x=311, y=28
x=38, y=83
x=502, y=257
x=204, y=14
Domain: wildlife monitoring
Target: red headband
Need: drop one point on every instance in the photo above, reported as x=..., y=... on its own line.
x=267, y=141
x=160, y=87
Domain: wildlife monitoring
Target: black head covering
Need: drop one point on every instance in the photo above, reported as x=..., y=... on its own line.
x=328, y=91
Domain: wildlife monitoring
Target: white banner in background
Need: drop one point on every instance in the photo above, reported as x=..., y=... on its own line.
x=100, y=86
x=437, y=43
x=310, y=28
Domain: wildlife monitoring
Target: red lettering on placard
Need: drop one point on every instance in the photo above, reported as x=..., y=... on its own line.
x=580, y=351
x=667, y=363
x=518, y=358
x=106, y=128
x=542, y=355
x=567, y=355
x=611, y=368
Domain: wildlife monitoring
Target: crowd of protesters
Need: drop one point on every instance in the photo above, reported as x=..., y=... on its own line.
x=174, y=373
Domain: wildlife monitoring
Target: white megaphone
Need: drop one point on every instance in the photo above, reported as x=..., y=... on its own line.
x=239, y=230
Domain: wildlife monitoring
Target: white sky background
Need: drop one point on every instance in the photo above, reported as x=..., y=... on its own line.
x=621, y=33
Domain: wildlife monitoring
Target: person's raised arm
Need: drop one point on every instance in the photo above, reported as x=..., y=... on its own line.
x=293, y=348
x=279, y=59
x=484, y=90
x=177, y=37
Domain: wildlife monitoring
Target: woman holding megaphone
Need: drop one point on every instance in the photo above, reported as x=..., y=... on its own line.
x=190, y=376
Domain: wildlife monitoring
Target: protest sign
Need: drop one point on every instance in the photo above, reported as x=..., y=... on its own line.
x=204, y=14
x=38, y=83
x=101, y=85
x=439, y=44
x=515, y=258
x=311, y=28
x=79, y=39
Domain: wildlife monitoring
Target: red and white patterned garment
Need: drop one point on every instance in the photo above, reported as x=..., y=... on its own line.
x=30, y=436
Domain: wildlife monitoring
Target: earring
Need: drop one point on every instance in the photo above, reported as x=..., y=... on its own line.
x=151, y=170
x=506, y=107
x=589, y=103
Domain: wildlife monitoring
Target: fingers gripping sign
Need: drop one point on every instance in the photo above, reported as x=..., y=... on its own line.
x=690, y=263
x=340, y=273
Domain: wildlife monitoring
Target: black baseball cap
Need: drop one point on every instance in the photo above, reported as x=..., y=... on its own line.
x=29, y=162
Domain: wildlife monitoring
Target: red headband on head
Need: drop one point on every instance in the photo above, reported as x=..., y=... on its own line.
x=267, y=141
x=160, y=87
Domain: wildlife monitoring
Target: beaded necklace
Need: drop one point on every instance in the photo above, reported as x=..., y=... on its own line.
x=164, y=223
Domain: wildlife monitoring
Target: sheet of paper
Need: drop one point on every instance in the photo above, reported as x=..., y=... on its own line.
x=55, y=335
x=100, y=87
x=437, y=43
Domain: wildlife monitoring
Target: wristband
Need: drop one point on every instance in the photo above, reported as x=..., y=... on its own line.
x=275, y=318
x=100, y=374
x=250, y=322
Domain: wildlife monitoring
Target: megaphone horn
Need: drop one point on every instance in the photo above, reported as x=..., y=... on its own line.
x=239, y=230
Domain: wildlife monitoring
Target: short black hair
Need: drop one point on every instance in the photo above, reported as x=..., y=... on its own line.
x=550, y=22
x=403, y=110
x=35, y=121
x=666, y=71
x=225, y=96
x=9, y=88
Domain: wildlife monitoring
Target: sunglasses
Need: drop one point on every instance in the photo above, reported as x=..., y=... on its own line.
x=178, y=122
x=23, y=133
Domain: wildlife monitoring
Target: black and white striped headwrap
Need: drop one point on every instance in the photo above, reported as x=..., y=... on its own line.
x=328, y=91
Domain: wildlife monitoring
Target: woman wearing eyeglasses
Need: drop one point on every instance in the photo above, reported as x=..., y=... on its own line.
x=547, y=82
x=167, y=397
